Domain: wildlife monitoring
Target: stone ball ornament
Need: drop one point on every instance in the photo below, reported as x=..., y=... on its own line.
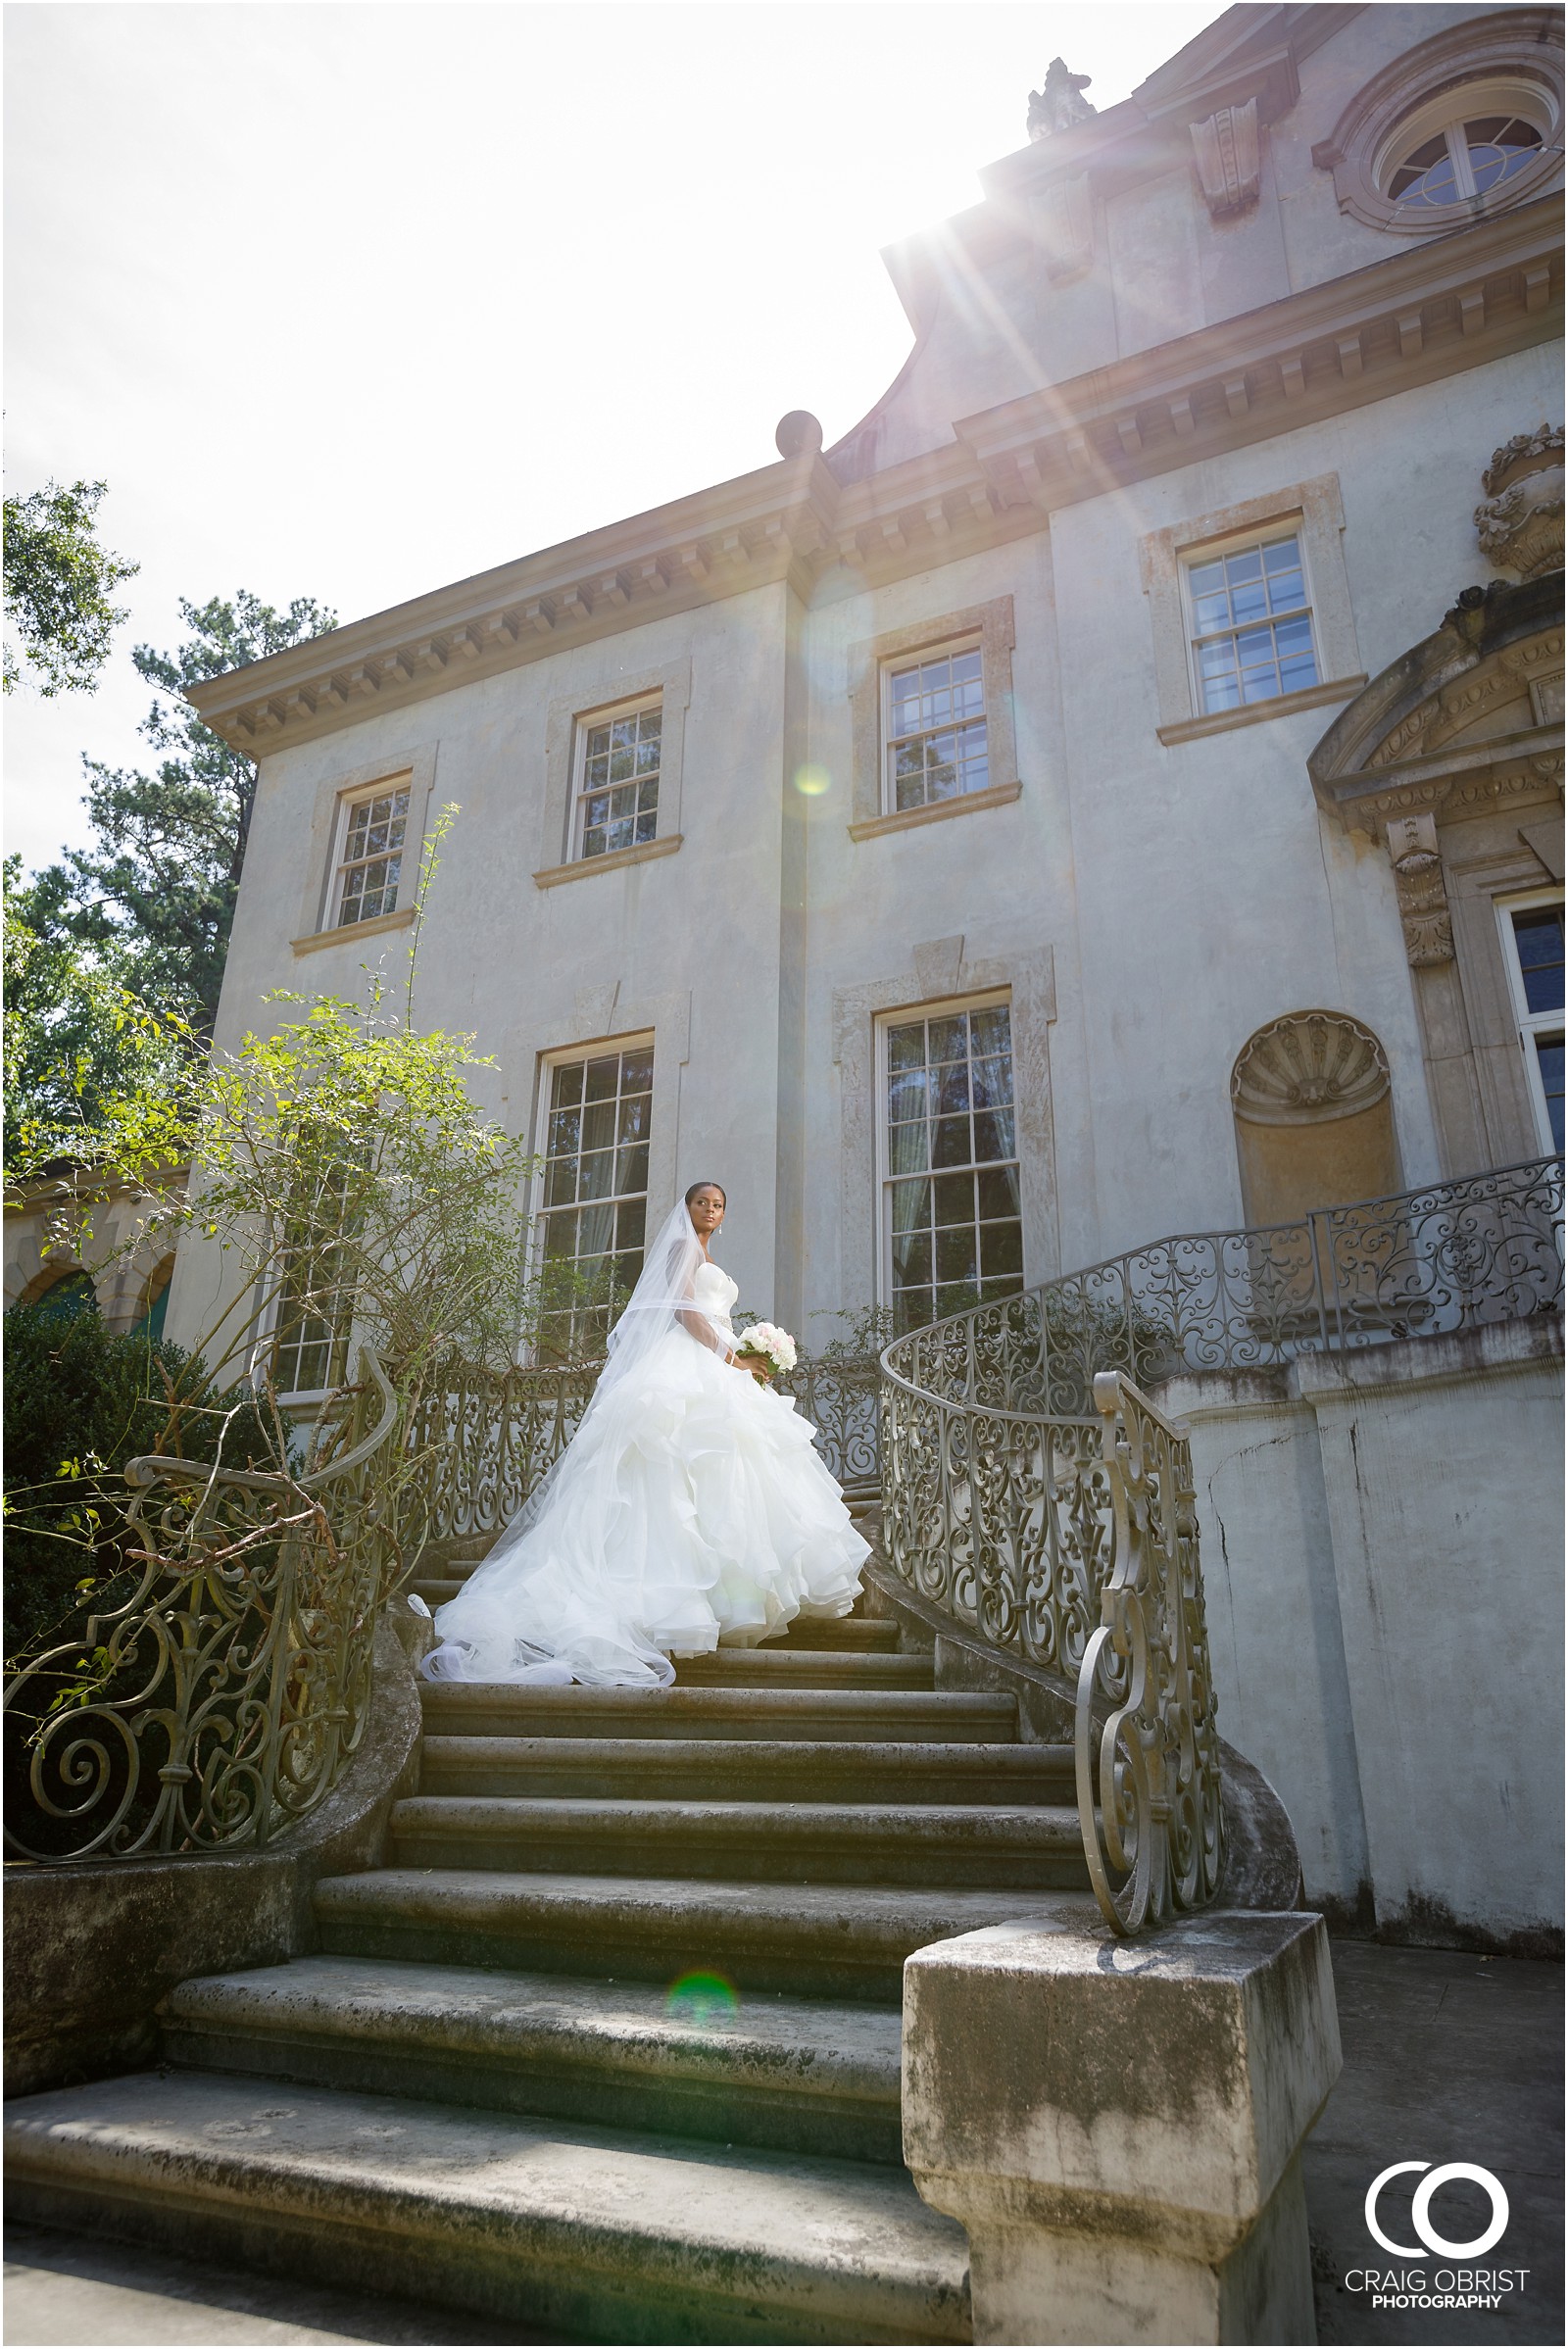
x=1519, y=523
x=797, y=433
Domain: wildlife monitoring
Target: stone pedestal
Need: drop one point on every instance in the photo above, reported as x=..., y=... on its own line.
x=1119, y=2125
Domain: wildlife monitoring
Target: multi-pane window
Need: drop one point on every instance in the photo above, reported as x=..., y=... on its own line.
x=1533, y=933
x=954, y=1231
x=618, y=792
x=595, y=1193
x=936, y=729
x=316, y=1292
x=371, y=862
x=1464, y=159
x=1250, y=624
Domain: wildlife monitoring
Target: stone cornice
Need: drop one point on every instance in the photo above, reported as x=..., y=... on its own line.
x=749, y=532
x=1425, y=311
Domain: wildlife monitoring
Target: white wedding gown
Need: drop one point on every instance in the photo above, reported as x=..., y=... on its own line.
x=692, y=1510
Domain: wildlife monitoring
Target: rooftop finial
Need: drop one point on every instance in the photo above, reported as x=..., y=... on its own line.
x=1061, y=104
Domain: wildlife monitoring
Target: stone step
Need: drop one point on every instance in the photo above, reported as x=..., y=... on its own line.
x=882, y=1716
x=603, y=2235
x=817, y=1941
x=747, y=1770
x=699, y=2060
x=777, y=1666
x=1038, y=1847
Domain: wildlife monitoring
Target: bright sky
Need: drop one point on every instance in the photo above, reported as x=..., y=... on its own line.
x=353, y=300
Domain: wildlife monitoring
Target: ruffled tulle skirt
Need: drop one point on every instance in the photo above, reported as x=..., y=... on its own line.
x=691, y=1510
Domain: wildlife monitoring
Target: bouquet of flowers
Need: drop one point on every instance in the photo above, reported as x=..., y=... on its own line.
x=774, y=1347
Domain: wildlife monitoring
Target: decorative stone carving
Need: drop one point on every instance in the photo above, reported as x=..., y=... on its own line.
x=937, y=965
x=1225, y=146
x=1424, y=915
x=1308, y=1067
x=1064, y=226
x=1520, y=522
x=1061, y=104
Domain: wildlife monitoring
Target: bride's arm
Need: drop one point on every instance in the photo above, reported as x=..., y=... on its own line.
x=695, y=1323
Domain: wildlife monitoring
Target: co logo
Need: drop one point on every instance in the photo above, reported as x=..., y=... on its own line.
x=1421, y=2205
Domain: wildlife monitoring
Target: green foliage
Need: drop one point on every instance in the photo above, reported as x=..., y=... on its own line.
x=157, y=888
x=78, y=1404
x=75, y=1036
x=58, y=581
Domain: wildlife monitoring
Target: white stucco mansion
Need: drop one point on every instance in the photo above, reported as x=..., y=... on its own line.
x=1085, y=714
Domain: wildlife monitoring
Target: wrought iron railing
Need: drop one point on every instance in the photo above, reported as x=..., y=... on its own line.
x=484, y=1438
x=1146, y=1746
x=1071, y=1543
x=218, y=1702
x=1451, y=1256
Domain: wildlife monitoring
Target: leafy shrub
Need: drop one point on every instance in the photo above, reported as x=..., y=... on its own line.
x=78, y=1404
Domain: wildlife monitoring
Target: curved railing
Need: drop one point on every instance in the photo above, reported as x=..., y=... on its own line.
x=1032, y=1492
x=1451, y=1257
x=1071, y=1542
x=220, y=1701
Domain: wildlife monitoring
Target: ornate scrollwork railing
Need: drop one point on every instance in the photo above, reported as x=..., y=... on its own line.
x=486, y=1437
x=220, y=1701
x=1145, y=1742
x=838, y=1394
x=1451, y=1256
x=1070, y=1543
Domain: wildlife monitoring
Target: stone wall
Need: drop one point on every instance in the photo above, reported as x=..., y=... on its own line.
x=1382, y=1550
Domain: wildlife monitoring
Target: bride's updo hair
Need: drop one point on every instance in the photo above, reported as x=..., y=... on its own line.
x=719, y=1187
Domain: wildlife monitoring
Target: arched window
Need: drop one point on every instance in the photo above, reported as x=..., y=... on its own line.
x=1314, y=1122
x=1469, y=122
x=149, y=1323
x=1465, y=145
x=67, y=1296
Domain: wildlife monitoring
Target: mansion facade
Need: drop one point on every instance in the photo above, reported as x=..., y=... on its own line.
x=1114, y=791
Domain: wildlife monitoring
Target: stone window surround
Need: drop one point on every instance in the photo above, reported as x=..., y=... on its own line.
x=993, y=623
x=1315, y=508
x=555, y=850
x=941, y=974
x=1520, y=45
x=599, y=1016
x=1528, y=1023
x=415, y=771
x=1480, y=879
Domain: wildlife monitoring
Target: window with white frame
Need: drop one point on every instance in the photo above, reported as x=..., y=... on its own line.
x=315, y=1296
x=619, y=755
x=934, y=726
x=1250, y=621
x=1465, y=146
x=595, y=1193
x=952, y=1229
x=1532, y=934
x=369, y=866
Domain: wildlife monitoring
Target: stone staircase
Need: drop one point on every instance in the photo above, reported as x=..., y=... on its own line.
x=611, y=2047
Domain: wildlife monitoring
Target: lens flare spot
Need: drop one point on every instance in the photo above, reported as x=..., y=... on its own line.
x=705, y=1999
x=812, y=782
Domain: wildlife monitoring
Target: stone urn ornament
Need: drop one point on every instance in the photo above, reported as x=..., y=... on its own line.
x=1520, y=522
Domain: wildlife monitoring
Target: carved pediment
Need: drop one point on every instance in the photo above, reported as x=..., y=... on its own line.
x=1470, y=716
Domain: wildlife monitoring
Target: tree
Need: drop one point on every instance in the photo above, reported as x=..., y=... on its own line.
x=159, y=884
x=75, y=1034
x=57, y=583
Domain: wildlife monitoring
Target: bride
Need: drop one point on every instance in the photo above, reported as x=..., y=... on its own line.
x=690, y=1510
